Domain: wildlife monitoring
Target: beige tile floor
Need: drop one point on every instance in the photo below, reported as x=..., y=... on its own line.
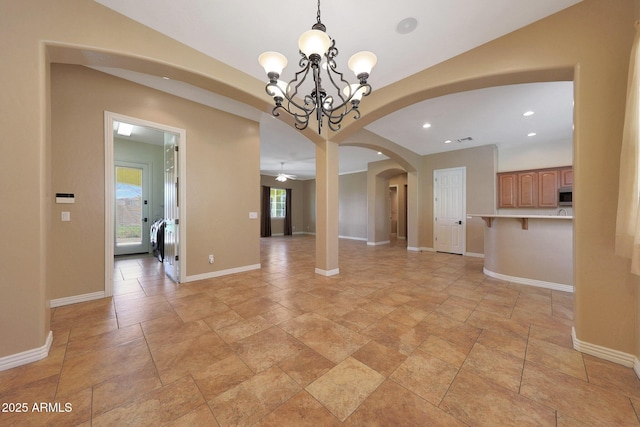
x=396, y=339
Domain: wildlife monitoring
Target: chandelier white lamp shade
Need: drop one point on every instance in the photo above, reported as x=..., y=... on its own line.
x=341, y=100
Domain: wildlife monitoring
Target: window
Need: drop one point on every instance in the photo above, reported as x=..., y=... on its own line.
x=278, y=199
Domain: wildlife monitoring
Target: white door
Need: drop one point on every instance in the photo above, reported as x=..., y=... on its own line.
x=131, y=208
x=449, y=210
x=171, y=204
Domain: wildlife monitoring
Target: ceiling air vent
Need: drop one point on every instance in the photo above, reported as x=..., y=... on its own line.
x=465, y=139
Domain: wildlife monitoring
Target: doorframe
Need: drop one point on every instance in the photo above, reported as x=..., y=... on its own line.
x=396, y=186
x=464, y=206
x=109, y=194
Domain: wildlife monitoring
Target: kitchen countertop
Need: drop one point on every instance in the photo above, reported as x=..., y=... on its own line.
x=522, y=216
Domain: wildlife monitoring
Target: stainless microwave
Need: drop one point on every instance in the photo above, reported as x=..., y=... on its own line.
x=565, y=196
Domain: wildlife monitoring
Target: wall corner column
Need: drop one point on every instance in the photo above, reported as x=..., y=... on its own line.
x=327, y=203
x=413, y=211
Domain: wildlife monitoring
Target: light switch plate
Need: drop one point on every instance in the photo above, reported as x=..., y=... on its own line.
x=253, y=215
x=66, y=216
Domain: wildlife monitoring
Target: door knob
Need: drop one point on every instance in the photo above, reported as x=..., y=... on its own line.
x=460, y=222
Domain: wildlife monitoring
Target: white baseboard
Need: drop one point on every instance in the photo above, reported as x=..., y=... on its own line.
x=353, y=238
x=420, y=249
x=213, y=274
x=474, y=255
x=59, y=302
x=327, y=273
x=530, y=282
x=385, y=242
x=615, y=356
x=29, y=356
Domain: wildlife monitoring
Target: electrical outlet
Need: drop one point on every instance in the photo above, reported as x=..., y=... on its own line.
x=210, y=259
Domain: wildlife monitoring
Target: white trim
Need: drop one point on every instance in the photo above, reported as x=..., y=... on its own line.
x=327, y=273
x=219, y=273
x=420, y=249
x=29, y=356
x=474, y=255
x=636, y=366
x=385, y=242
x=109, y=209
x=363, y=239
x=615, y=356
x=391, y=233
x=277, y=234
x=59, y=302
x=530, y=282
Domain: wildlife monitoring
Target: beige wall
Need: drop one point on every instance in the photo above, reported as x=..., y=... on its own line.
x=535, y=156
x=297, y=204
x=353, y=205
x=222, y=160
x=589, y=42
x=309, y=208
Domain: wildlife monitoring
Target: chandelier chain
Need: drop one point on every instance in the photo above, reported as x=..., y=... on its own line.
x=318, y=17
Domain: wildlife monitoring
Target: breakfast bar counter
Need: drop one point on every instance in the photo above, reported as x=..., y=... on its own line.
x=534, y=250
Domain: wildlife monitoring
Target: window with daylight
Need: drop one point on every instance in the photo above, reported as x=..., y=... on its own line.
x=278, y=202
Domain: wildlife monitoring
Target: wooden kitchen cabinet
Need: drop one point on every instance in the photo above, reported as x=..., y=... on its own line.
x=548, y=188
x=566, y=177
x=527, y=190
x=507, y=188
x=532, y=188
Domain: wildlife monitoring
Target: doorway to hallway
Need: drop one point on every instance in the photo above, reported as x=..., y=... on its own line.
x=144, y=196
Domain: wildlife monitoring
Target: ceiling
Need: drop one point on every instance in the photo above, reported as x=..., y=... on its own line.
x=487, y=116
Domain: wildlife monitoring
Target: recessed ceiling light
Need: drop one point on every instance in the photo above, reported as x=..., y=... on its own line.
x=166, y=78
x=125, y=129
x=426, y=125
x=528, y=113
x=531, y=134
x=448, y=141
x=379, y=153
x=407, y=25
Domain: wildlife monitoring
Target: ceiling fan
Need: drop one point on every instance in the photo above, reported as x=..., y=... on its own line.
x=282, y=177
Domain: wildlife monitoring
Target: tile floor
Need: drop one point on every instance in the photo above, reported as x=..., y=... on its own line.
x=396, y=339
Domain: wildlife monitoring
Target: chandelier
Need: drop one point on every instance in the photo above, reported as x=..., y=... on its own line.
x=343, y=97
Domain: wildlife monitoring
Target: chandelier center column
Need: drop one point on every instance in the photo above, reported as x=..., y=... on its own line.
x=327, y=208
